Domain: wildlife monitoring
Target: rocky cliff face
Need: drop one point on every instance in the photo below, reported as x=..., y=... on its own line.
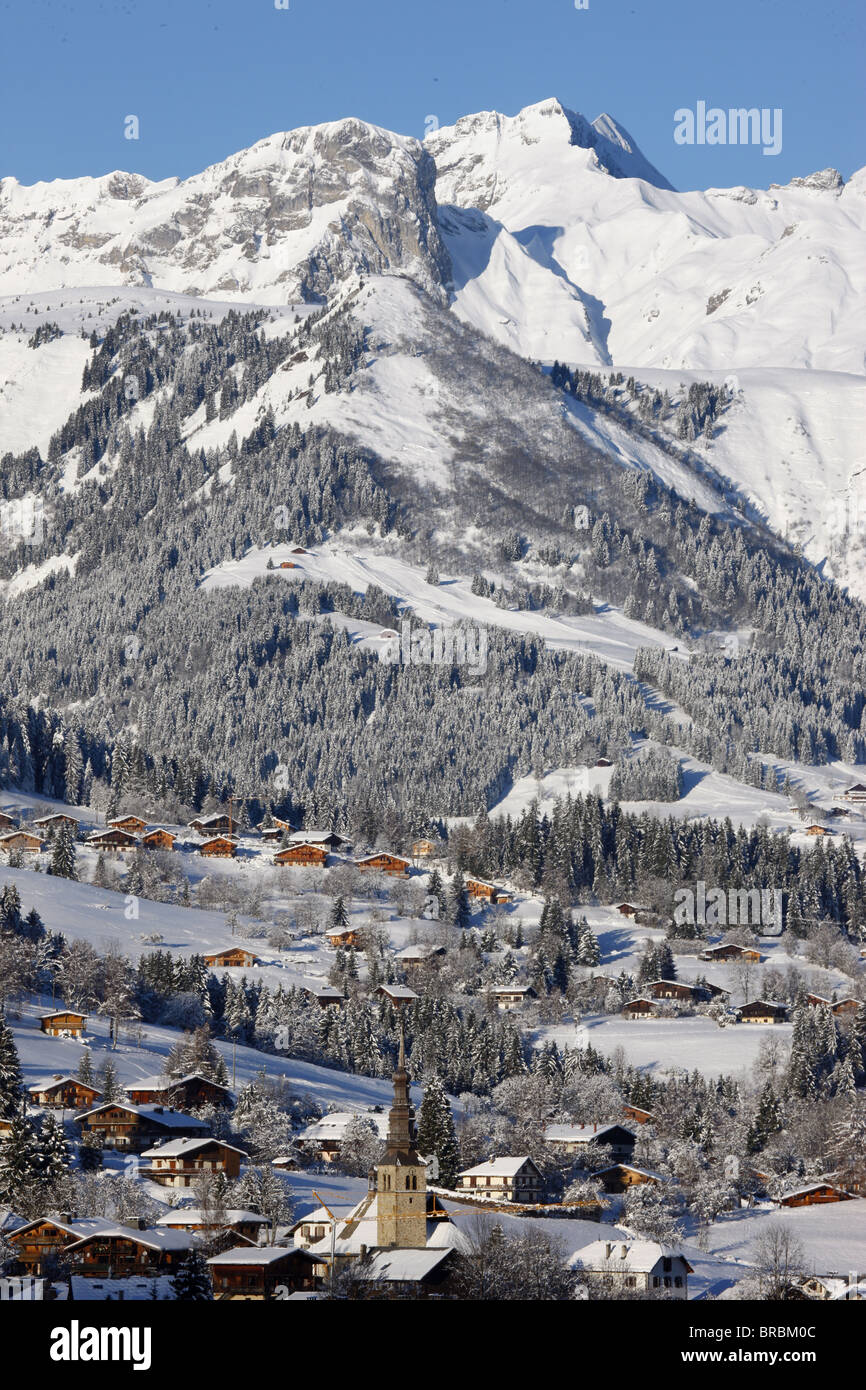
x=279, y=221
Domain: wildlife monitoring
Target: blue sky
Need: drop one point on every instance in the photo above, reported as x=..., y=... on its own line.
x=207, y=77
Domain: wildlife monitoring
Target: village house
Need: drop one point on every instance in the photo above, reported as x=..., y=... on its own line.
x=487, y=892
x=179, y=1162
x=121, y=1251
x=341, y=937
x=248, y=1272
x=328, y=839
x=5, y=1127
x=578, y=1139
x=619, y=1177
x=217, y=825
x=816, y=1194
x=63, y=1023
x=819, y=830
x=323, y=1139
x=411, y=1273
x=38, y=1244
x=316, y=1225
x=219, y=847
x=231, y=956
x=857, y=793
x=640, y=1008
x=7, y=822
x=113, y=841
x=302, y=856
x=179, y=1092
x=133, y=825
x=133, y=1128
x=424, y=849
x=21, y=842
x=762, y=1011
x=729, y=950
x=53, y=822
x=509, y=997
x=507, y=1179
x=420, y=954
x=63, y=1093
x=247, y=1225
x=677, y=990
x=638, y=1116
x=628, y=909
x=135, y=1288
x=398, y=994
x=383, y=863
x=326, y=996
x=639, y=1265
x=158, y=838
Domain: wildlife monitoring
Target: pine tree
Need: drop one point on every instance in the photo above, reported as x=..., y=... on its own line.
x=436, y=1133
x=108, y=1082
x=10, y=1072
x=338, y=918
x=63, y=855
x=21, y=1169
x=461, y=915
x=191, y=1280
x=85, y=1067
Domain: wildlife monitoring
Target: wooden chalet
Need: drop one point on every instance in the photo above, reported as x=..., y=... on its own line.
x=180, y=1162
x=121, y=1251
x=582, y=1139
x=676, y=990
x=640, y=1008
x=133, y=825
x=619, y=1177
x=326, y=996
x=7, y=822
x=507, y=1179
x=340, y=937
x=63, y=1023
x=819, y=830
x=218, y=824
x=424, y=849
x=603, y=762
x=421, y=954
x=179, y=1092
x=21, y=842
x=133, y=1128
x=729, y=950
x=329, y=839
x=113, y=841
x=302, y=856
x=628, y=909
x=54, y=822
x=384, y=863
x=762, y=1011
x=158, y=839
x=398, y=994
x=857, y=793
x=845, y=1006
x=638, y=1116
x=39, y=1244
x=272, y=834
x=510, y=997
x=218, y=847
x=5, y=1128
x=487, y=892
x=231, y=956
x=259, y=1273
x=63, y=1093
x=289, y=565
x=323, y=1139
x=816, y=1194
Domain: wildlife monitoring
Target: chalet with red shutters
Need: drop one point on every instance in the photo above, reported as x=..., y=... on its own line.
x=302, y=856
x=384, y=863
x=63, y=1093
x=180, y=1162
x=63, y=1023
x=231, y=956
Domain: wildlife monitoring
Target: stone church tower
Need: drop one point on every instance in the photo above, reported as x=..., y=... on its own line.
x=400, y=1178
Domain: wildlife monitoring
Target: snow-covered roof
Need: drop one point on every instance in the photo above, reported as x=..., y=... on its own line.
x=507, y=1167
x=255, y=1254
x=152, y=1237
x=160, y=1114
x=334, y=1126
x=47, y=1083
x=636, y=1256
x=583, y=1134
x=133, y=1289
x=397, y=992
x=510, y=989
x=179, y=1148
x=405, y=1265
x=192, y=1216
x=167, y=1083
x=79, y=1227
x=312, y=837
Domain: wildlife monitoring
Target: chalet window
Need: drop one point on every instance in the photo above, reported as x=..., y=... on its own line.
x=678, y=1282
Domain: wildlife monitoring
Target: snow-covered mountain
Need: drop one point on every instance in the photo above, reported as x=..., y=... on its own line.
x=551, y=234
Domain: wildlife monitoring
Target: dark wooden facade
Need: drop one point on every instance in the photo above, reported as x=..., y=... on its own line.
x=63, y=1023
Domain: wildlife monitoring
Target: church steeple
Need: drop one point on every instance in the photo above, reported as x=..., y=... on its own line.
x=401, y=1187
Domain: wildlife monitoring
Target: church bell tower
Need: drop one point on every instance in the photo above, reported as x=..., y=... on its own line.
x=401, y=1184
